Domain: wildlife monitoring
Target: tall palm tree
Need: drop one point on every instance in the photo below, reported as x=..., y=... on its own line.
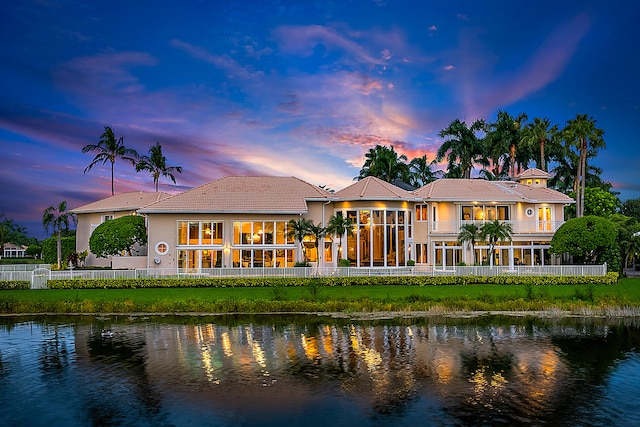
x=470, y=233
x=494, y=231
x=109, y=149
x=384, y=163
x=156, y=163
x=338, y=226
x=421, y=172
x=298, y=230
x=582, y=133
x=317, y=232
x=542, y=135
x=462, y=146
x=57, y=218
x=503, y=141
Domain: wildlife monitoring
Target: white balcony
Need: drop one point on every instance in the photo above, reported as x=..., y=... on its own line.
x=519, y=226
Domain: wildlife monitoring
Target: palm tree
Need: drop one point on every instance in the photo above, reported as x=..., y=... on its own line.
x=109, y=149
x=339, y=226
x=470, y=233
x=421, y=173
x=541, y=134
x=298, y=230
x=503, y=141
x=582, y=133
x=58, y=219
x=462, y=147
x=156, y=163
x=384, y=163
x=494, y=231
x=317, y=232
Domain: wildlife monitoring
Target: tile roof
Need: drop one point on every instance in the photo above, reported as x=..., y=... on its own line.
x=533, y=173
x=244, y=194
x=122, y=202
x=371, y=188
x=463, y=190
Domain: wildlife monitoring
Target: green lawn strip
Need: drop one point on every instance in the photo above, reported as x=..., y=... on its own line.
x=626, y=293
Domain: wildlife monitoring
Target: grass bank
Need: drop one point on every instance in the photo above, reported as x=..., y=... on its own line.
x=622, y=298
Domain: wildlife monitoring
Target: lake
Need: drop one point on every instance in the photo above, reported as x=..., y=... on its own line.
x=275, y=370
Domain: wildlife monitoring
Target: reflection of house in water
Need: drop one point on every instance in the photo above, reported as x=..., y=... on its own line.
x=469, y=370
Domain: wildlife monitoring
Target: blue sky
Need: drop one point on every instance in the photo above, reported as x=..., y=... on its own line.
x=294, y=87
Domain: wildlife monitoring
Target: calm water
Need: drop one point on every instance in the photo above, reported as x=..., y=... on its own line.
x=310, y=371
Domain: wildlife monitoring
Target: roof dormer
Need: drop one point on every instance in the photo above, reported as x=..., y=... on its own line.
x=534, y=177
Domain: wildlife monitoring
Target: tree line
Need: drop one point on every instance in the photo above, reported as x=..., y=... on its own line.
x=501, y=150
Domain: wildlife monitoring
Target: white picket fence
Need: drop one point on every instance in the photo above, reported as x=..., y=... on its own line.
x=41, y=274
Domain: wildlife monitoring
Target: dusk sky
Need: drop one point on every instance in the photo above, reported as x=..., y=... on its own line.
x=294, y=88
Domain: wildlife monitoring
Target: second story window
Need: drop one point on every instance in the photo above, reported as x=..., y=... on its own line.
x=422, y=212
x=484, y=213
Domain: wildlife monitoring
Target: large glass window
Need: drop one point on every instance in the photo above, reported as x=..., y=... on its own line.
x=484, y=213
x=199, y=233
x=380, y=237
x=267, y=258
x=195, y=259
x=261, y=233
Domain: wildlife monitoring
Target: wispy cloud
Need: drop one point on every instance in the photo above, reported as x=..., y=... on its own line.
x=486, y=89
x=232, y=67
x=302, y=39
x=105, y=71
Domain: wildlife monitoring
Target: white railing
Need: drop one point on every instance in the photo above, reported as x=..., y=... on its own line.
x=519, y=227
x=418, y=270
x=22, y=267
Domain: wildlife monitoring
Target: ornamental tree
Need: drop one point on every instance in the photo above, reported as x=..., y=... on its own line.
x=118, y=235
x=589, y=239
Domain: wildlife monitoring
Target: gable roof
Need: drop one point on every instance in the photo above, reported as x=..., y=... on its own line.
x=372, y=188
x=533, y=173
x=252, y=194
x=130, y=201
x=480, y=190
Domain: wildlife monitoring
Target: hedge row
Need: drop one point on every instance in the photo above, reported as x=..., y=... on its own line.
x=231, y=282
x=15, y=284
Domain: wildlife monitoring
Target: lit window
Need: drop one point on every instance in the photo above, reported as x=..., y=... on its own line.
x=162, y=248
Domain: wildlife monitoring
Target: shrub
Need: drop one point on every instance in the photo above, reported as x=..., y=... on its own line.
x=50, y=248
x=230, y=282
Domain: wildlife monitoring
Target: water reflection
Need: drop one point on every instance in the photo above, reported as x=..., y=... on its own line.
x=313, y=371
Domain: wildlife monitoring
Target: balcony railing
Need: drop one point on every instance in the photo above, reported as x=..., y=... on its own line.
x=519, y=226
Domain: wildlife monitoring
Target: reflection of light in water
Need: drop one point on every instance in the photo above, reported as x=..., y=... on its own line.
x=370, y=356
x=538, y=372
x=482, y=386
x=327, y=340
x=256, y=350
x=310, y=345
x=444, y=369
x=226, y=345
x=206, y=362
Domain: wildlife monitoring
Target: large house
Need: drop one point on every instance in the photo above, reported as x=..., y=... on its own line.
x=93, y=214
x=242, y=222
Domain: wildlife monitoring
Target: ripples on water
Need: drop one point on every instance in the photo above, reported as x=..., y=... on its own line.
x=274, y=371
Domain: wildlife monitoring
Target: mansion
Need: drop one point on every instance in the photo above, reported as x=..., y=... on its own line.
x=242, y=222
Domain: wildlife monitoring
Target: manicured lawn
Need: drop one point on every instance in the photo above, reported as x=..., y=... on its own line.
x=626, y=293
